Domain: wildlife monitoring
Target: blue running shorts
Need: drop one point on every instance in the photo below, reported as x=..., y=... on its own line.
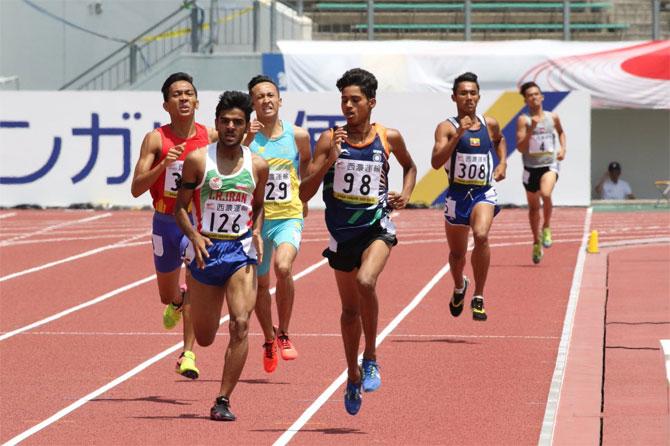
x=276, y=232
x=168, y=242
x=225, y=258
x=460, y=202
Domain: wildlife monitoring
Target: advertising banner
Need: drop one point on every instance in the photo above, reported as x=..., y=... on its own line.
x=61, y=148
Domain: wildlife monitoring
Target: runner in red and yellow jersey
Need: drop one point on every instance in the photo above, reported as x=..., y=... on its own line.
x=159, y=171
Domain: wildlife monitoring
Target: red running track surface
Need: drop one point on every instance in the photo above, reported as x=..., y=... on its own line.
x=445, y=380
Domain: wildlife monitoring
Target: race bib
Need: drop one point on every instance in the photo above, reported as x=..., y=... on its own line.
x=472, y=169
x=541, y=143
x=173, y=178
x=357, y=181
x=225, y=219
x=278, y=187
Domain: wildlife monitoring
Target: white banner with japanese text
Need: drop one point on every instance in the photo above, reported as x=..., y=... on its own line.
x=61, y=148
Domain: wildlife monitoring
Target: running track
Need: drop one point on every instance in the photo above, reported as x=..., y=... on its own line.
x=86, y=360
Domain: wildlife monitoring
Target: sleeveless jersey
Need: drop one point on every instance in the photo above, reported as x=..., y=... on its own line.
x=164, y=190
x=542, y=144
x=355, y=188
x=471, y=163
x=223, y=203
x=281, y=191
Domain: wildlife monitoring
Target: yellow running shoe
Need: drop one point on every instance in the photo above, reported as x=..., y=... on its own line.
x=537, y=253
x=171, y=316
x=186, y=365
x=546, y=238
x=172, y=312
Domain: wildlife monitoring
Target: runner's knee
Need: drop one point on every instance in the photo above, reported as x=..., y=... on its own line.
x=349, y=315
x=481, y=237
x=238, y=327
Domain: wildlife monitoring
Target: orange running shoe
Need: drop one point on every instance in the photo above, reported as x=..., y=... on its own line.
x=288, y=352
x=270, y=357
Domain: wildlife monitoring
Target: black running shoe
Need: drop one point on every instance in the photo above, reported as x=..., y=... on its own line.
x=456, y=302
x=478, y=311
x=221, y=410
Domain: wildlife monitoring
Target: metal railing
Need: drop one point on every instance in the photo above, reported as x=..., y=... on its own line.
x=242, y=26
x=178, y=30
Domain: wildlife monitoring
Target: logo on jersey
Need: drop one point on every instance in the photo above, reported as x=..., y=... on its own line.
x=474, y=142
x=215, y=183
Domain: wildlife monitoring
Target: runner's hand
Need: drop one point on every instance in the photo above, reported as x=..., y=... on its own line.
x=336, y=143
x=255, y=126
x=174, y=153
x=200, y=244
x=499, y=172
x=561, y=154
x=465, y=123
x=396, y=200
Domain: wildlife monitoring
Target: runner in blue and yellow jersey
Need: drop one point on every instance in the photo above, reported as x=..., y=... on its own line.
x=541, y=152
x=352, y=163
x=226, y=182
x=158, y=170
x=464, y=145
x=287, y=151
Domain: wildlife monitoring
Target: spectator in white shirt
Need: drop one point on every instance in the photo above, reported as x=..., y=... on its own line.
x=611, y=187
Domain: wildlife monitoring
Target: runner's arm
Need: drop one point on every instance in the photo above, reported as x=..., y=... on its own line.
x=522, y=135
x=561, y=137
x=500, y=146
x=145, y=175
x=446, y=139
x=261, y=170
x=399, y=149
x=326, y=152
x=192, y=174
x=302, y=142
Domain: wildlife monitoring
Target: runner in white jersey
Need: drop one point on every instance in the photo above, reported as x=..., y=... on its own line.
x=541, y=141
x=226, y=183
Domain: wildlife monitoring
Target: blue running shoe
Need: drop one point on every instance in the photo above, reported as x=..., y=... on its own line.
x=371, y=379
x=353, y=398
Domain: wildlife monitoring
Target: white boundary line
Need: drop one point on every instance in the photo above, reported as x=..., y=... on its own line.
x=321, y=400
x=85, y=399
x=119, y=244
x=549, y=421
x=70, y=310
x=49, y=228
x=10, y=214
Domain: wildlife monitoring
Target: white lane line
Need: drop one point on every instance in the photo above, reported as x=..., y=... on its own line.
x=49, y=228
x=77, y=308
x=96, y=393
x=549, y=421
x=10, y=214
x=119, y=244
x=62, y=239
x=320, y=401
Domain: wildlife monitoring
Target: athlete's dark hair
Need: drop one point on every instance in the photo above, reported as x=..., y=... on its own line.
x=234, y=99
x=526, y=85
x=365, y=80
x=176, y=77
x=259, y=80
x=465, y=77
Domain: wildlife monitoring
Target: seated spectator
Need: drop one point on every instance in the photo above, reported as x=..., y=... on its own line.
x=611, y=187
